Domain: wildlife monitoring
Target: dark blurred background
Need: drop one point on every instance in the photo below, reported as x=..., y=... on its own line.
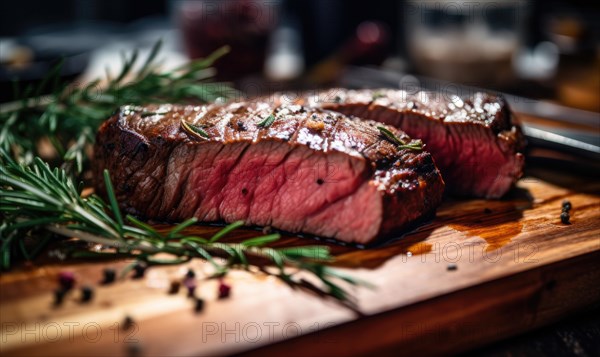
x=537, y=49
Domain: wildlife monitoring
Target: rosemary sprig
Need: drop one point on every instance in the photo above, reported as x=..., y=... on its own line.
x=401, y=144
x=69, y=117
x=194, y=130
x=267, y=122
x=35, y=197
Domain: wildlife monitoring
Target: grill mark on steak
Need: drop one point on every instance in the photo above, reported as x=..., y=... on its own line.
x=310, y=171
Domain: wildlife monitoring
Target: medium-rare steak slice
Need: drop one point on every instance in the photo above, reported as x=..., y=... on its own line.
x=296, y=169
x=474, y=141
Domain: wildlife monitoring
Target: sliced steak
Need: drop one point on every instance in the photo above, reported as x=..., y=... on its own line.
x=310, y=171
x=474, y=141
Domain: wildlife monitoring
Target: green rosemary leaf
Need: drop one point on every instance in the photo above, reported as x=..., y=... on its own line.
x=203, y=253
x=127, y=67
x=413, y=145
x=241, y=256
x=194, y=130
x=149, y=114
x=347, y=278
x=220, y=234
x=37, y=222
x=225, y=248
x=24, y=250
x=335, y=290
x=41, y=244
x=390, y=136
x=8, y=208
x=86, y=228
x=5, y=251
x=173, y=233
x=258, y=241
x=265, y=123
x=194, y=239
x=277, y=258
x=6, y=256
x=150, y=59
x=307, y=252
x=145, y=227
x=110, y=192
x=206, y=62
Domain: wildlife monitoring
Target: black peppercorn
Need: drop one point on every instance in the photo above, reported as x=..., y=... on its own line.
x=565, y=218
x=134, y=348
x=566, y=205
x=87, y=293
x=190, y=274
x=199, y=305
x=139, y=270
x=451, y=267
x=109, y=276
x=174, y=288
x=127, y=323
x=59, y=296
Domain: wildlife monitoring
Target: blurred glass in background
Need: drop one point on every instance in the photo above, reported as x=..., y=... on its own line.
x=466, y=41
x=243, y=25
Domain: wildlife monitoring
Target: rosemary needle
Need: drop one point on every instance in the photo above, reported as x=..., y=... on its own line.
x=267, y=122
x=413, y=145
x=194, y=130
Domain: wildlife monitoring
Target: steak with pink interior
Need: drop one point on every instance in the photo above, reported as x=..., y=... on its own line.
x=293, y=168
x=474, y=140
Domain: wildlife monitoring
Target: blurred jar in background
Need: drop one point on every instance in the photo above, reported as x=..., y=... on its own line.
x=465, y=41
x=244, y=25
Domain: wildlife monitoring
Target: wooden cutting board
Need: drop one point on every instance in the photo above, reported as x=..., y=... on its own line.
x=518, y=267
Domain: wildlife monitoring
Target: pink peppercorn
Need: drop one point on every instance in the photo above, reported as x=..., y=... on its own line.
x=66, y=279
x=224, y=290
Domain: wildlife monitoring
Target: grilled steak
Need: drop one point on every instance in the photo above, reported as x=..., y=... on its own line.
x=296, y=169
x=474, y=141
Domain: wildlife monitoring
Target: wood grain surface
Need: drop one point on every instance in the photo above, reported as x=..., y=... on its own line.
x=517, y=267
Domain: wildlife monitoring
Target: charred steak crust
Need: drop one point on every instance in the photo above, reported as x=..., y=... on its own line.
x=310, y=170
x=475, y=141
